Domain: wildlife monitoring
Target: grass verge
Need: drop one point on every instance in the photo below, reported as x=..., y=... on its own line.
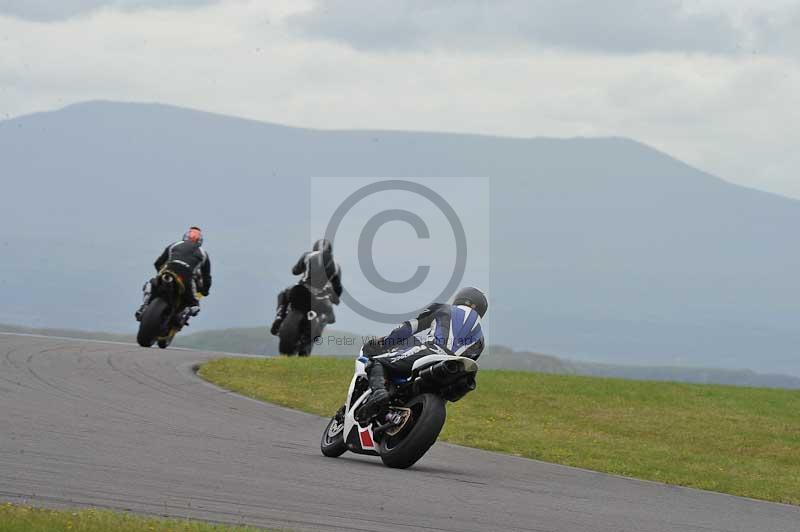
x=742, y=441
x=16, y=518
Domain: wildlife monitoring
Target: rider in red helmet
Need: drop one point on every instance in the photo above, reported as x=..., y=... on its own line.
x=188, y=259
x=194, y=234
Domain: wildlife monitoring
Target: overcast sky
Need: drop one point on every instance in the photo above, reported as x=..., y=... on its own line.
x=715, y=83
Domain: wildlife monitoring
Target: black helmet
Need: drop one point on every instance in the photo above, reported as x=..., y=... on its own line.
x=324, y=245
x=470, y=296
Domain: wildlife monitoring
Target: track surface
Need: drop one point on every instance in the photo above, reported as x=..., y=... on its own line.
x=113, y=425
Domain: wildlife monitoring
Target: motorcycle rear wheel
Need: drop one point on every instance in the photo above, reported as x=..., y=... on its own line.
x=289, y=333
x=404, y=449
x=152, y=322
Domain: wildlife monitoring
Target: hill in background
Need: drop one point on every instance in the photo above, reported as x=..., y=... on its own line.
x=601, y=249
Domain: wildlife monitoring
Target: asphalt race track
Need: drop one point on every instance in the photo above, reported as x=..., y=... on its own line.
x=117, y=426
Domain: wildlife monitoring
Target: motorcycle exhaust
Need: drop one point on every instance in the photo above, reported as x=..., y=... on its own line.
x=459, y=388
x=443, y=371
x=447, y=378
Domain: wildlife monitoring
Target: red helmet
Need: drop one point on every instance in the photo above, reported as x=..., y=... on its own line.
x=194, y=234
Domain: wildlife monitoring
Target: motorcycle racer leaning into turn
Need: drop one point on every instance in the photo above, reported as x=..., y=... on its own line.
x=189, y=260
x=453, y=329
x=322, y=276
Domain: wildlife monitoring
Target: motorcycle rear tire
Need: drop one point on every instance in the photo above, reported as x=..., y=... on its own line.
x=152, y=322
x=315, y=329
x=289, y=333
x=305, y=349
x=430, y=417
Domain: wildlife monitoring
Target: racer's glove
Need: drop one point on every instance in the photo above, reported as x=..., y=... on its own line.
x=374, y=346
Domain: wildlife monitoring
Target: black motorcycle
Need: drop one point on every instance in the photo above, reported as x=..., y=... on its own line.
x=303, y=323
x=404, y=431
x=161, y=319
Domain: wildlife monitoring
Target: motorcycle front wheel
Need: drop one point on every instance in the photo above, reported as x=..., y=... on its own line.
x=332, y=443
x=403, y=449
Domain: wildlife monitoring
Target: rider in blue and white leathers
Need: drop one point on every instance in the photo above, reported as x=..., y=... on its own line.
x=454, y=329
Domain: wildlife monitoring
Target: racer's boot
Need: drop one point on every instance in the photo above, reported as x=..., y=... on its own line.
x=326, y=307
x=187, y=313
x=379, y=397
x=146, y=292
x=327, y=317
x=280, y=314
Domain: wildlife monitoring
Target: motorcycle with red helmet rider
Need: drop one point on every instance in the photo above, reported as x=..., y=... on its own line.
x=172, y=296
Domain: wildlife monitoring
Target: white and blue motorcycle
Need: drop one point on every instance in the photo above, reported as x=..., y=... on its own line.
x=402, y=432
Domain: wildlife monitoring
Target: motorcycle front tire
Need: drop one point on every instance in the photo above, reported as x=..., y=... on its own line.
x=333, y=445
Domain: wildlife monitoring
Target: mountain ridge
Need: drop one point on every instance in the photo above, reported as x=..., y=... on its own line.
x=604, y=250
x=102, y=104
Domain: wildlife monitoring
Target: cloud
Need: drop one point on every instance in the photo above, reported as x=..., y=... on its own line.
x=54, y=10
x=731, y=115
x=621, y=26
x=778, y=32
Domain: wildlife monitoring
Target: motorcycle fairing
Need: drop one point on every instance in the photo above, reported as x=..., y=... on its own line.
x=359, y=439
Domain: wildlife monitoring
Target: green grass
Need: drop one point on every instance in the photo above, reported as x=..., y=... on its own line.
x=14, y=518
x=743, y=441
